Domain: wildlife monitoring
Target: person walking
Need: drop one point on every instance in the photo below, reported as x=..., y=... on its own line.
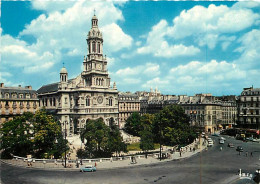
x=246, y=154
x=251, y=154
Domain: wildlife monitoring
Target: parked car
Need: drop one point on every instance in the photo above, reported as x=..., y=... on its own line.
x=215, y=134
x=222, y=138
x=88, y=168
x=240, y=149
x=210, y=143
x=231, y=145
x=221, y=141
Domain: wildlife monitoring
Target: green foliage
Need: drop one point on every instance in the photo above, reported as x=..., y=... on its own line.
x=101, y=141
x=146, y=134
x=32, y=134
x=171, y=125
x=133, y=124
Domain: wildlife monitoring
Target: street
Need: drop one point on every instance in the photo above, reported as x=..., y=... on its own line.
x=211, y=166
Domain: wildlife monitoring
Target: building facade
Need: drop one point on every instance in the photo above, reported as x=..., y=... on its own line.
x=248, y=104
x=15, y=101
x=127, y=104
x=89, y=95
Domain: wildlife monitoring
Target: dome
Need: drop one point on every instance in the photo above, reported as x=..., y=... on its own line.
x=63, y=70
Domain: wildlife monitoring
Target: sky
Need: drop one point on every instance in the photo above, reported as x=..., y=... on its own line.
x=179, y=47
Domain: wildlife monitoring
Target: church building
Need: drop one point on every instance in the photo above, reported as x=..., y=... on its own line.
x=88, y=96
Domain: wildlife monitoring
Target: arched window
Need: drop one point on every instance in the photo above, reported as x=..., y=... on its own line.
x=98, y=48
x=87, y=101
x=94, y=47
x=110, y=101
x=89, y=50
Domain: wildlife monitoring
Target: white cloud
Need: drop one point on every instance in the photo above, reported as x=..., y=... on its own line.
x=250, y=50
x=198, y=75
x=17, y=53
x=148, y=69
x=62, y=31
x=206, y=24
x=50, y=6
x=157, y=45
x=152, y=69
x=114, y=35
x=156, y=82
x=132, y=80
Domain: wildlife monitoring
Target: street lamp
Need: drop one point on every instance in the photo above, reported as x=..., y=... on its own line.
x=65, y=134
x=160, y=137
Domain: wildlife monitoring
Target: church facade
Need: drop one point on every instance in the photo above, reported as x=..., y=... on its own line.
x=89, y=95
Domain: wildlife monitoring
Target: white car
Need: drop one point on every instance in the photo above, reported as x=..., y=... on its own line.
x=210, y=143
x=222, y=138
x=221, y=141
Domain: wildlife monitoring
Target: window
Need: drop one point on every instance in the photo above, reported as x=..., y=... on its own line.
x=94, y=47
x=21, y=95
x=87, y=101
x=66, y=100
x=98, y=47
x=54, y=102
x=6, y=95
x=110, y=101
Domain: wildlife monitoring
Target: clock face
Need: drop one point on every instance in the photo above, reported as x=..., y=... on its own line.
x=99, y=66
x=100, y=99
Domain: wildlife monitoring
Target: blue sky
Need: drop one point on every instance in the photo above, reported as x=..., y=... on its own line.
x=182, y=47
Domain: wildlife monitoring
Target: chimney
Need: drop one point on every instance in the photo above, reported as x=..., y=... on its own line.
x=28, y=87
x=1, y=84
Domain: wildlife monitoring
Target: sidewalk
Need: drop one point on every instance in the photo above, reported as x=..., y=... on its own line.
x=108, y=163
x=140, y=160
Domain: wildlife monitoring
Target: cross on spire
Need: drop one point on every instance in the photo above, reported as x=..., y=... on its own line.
x=63, y=64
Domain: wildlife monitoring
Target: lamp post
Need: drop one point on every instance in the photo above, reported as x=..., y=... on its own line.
x=65, y=134
x=160, y=137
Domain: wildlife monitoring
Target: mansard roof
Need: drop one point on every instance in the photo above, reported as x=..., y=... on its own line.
x=48, y=88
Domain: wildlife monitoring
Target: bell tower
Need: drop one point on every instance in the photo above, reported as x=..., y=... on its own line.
x=95, y=71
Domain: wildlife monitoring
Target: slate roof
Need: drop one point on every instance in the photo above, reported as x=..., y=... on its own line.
x=17, y=90
x=48, y=88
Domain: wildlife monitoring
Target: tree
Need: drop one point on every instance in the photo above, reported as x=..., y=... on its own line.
x=133, y=124
x=101, y=141
x=172, y=126
x=146, y=142
x=32, y=134
x=115, y=141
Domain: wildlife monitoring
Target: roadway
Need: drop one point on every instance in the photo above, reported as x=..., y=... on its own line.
x=211, y=166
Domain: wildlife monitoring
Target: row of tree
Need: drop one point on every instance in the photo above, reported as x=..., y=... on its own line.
x=171, y=126
x=36, y=134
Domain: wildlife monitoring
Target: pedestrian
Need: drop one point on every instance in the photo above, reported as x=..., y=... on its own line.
x=251, y=153
x=190, y=149
x=180, y=153
x=220, y=148
x=95, y=164
x=246, y=154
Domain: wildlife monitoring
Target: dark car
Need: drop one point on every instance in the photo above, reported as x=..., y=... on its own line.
x=240, y=149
